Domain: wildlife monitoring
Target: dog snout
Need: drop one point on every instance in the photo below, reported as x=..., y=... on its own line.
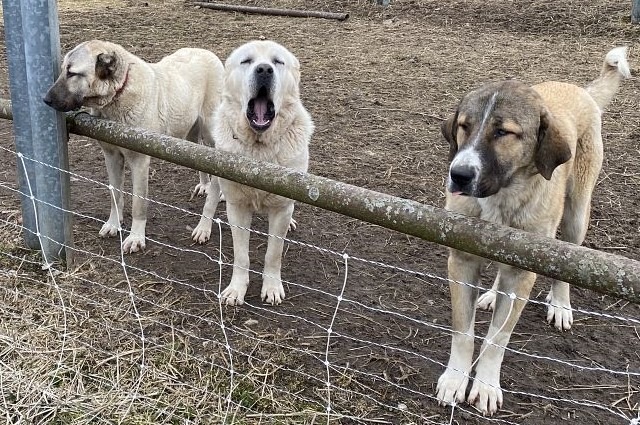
x=462, y=176
x=264, y=74
x=62, y=101
x=52, y=99
x=47, y=99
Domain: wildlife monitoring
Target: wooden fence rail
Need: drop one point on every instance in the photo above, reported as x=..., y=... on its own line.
x=600, y=271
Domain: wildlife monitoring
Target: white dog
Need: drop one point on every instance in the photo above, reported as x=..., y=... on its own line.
x=177, y=96
x=261, y=116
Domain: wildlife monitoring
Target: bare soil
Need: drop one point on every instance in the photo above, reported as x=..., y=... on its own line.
x=377, y=86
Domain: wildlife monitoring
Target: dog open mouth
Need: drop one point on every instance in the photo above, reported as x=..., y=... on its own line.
x=261, y=111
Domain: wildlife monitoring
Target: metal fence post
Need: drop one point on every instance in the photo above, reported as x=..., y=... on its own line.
x=14, y=41
x=33, y=49
x=635, y=11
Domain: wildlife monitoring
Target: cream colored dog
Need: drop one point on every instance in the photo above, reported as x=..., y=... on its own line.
x=526, y=157
x=262, y=117
x=177, y=96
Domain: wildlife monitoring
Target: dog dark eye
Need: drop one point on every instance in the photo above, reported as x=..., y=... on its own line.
x=464, y=127
x=246, y=61
x=71, y=74
x=278, y=61
x=500, y=132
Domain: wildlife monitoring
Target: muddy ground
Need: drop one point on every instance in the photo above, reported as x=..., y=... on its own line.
x=377, y=86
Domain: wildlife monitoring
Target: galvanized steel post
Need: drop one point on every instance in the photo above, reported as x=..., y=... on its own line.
x=14, y=41
x=33, y=50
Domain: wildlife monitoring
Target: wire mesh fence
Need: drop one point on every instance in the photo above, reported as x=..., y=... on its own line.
x=145, y=339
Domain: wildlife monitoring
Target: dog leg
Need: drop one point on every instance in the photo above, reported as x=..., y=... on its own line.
x=114, y=161
x=240, y=221
x=202, y=232
x=573, y=228
x=195, y=135
x=139, y=165
x=464, y=268
x=279, y=222
x=486, y=394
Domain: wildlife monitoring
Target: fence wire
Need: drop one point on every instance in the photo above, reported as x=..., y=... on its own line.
x=121, y=339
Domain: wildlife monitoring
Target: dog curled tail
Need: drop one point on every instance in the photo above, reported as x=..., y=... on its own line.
x=614, y=70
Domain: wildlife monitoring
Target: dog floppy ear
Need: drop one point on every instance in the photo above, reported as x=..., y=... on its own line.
x=449, y=128
x=106, y=65
x=552, y=149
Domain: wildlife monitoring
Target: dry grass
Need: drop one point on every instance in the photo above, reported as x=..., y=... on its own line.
x=72, y=352
x=89, y=5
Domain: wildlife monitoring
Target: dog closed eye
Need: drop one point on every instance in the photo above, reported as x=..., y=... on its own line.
x=73, y=74
x=507, y=128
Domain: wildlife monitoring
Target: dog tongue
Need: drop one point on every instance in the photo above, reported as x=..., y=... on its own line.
x=260, y=106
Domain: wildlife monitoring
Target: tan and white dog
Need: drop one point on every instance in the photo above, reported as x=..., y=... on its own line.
x=261, y=117
x=525, y=157
x=177, y=96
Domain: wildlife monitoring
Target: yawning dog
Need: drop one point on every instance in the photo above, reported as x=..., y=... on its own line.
x=261, y=117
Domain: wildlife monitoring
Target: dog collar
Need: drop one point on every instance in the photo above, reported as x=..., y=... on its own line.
x=124, y=84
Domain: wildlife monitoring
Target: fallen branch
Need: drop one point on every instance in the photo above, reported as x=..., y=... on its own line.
x=273, y=11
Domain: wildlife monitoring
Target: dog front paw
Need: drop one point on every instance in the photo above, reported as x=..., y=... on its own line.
x=452, y=385
x=133, y=243
x=234, y=294
x=559, y=312
x=272, y=291
x=108, y=229
x=485, y=396
x=487, y=301
x=202, y=232
x=201, y=189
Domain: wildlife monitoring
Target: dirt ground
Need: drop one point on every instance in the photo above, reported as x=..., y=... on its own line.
x=377, y=86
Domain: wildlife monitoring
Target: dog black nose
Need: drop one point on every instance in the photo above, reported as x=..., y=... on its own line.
x=47, y=99
x=264, y=68
x=462, y=175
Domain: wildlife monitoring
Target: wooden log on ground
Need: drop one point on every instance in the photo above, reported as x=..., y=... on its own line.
x=273, y=11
